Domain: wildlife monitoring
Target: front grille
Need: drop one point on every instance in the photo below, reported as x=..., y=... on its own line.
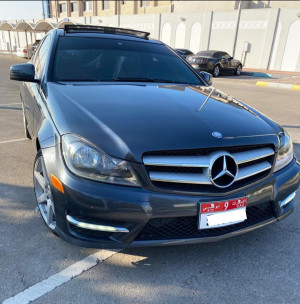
x=187, y=227
x=190, y=170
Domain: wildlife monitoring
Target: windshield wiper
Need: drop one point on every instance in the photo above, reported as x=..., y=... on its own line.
x=141, y=79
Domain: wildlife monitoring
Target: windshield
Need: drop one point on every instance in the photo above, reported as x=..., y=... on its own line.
x=100, y=59
x=185, y=52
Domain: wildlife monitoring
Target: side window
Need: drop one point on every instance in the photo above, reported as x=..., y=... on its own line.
x=41, y=57
x=217, y=55
x=225, y=55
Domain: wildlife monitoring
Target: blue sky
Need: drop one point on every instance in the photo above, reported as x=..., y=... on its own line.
x=11, y=10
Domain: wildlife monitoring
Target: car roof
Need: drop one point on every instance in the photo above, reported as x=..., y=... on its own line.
x=63, y=33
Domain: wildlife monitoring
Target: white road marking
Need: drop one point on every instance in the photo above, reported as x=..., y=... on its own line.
x=13, y=140
x=39, y=289
x=9, y=104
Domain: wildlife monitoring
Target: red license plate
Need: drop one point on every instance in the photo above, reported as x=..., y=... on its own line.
x=223, y=206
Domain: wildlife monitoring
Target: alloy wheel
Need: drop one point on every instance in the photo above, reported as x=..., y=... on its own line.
x=216, y=71
x=43, y=193
x=239, y=70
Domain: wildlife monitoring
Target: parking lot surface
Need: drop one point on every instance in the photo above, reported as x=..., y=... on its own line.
x=259, y=267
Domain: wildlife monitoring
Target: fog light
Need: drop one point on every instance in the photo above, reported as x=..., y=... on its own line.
x=288, y=199
x=96, y=227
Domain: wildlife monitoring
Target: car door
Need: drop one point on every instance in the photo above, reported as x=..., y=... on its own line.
x=28, y=96
x=41, y=60
x=231, y=65
x=226, y=65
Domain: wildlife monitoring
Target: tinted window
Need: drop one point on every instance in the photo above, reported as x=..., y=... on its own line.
x=96, y=59
x=225, y=55
x=205, y=53
x=41, y=57
x=184, y=52
x=217, y=55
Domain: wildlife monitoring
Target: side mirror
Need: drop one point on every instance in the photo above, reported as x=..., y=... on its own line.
x=207, y=77
x=230, y=58
x=23, y=72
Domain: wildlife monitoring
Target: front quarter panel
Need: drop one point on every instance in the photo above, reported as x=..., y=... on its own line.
x=45, y=131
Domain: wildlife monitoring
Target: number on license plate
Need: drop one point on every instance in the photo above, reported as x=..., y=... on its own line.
x=223, y=213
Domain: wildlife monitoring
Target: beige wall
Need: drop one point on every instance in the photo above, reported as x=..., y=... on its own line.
x=273, y=4
x=205, y=6
x=115, y=8
x=166, y=6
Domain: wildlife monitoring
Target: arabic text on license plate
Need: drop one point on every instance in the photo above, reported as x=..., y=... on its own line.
x=224, y=213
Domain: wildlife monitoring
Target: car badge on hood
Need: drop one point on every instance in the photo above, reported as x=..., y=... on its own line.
x=217, y=134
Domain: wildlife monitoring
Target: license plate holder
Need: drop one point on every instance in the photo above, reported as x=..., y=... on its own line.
x=222, y=213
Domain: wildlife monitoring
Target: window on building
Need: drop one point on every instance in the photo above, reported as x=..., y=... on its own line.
x=74, y=7
x=63, y=8
x=145, y=3
x=88, y=5
x=105, y=4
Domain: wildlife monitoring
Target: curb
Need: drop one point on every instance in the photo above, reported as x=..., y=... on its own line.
x=257, y=74
x=278, y=85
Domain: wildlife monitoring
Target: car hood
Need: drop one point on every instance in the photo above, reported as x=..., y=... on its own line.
x=126, y=120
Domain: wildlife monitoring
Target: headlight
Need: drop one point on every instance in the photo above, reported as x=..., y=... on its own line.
x=286, y=153
x=86, y=160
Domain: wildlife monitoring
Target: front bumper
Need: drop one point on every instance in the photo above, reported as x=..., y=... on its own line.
x=145, y=214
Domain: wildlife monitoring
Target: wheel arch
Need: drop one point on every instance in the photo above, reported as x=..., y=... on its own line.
x=47, y=136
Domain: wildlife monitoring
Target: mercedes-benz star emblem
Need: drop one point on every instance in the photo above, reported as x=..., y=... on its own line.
x=217, y=134
x=223, y=171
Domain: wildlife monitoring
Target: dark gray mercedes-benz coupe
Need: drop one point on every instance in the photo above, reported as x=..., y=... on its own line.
x=135, y=148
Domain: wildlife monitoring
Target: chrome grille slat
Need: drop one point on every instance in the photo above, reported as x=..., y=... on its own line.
x=252, y=170
x=247, y=156
x=177, y=161
x=181, y=167
x=184, y=178
x=203, y=161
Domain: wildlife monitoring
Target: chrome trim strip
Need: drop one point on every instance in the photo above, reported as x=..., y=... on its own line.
x=248, y=156
x=253, y=170
x=177, y=161
x=204, y=161
x=183, y=178
x=89, y=226
x=287, y=199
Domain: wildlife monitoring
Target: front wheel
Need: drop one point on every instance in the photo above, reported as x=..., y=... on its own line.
x=238, y=70
x=43, y=193
x=216, y=71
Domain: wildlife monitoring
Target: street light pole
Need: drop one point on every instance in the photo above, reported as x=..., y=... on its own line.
x=237, y=27
x=43, y=9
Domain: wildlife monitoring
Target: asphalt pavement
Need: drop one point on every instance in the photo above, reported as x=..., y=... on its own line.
x=262, y=266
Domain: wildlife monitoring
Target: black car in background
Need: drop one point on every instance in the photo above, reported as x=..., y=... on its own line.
x=184, y=52
x=135, y=148
x=215, y=62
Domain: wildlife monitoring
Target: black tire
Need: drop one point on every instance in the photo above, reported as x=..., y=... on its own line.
x=238, y=70
x=26, y=132
x=216, y=71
